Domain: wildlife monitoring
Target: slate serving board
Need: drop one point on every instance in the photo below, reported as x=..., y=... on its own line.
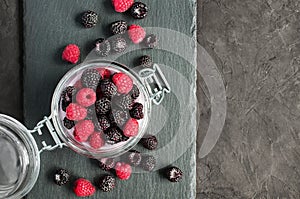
x=48, y=27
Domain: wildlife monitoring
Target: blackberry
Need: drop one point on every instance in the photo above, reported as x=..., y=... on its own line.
x=148, y=162
x=135, y=92
x=145, y=61
x=174, y=174
x=118, y=27
x=67, y=96
x=107, y=183
x=61, y=177
x=89, y=19
x=114, y=135
x=103, y=122
x=107, y=164
x=102, y=47
x=98, y=41
x=119, y=117
x=137, y=111
x=107, y=88
x=151, y=41
x=149, y=142
x=102, y=106
x=139, y=10
x=133, y=157
x=90, y=78
x=118, y=44
x=123, y=101
x=110, y=116
x=68, y=123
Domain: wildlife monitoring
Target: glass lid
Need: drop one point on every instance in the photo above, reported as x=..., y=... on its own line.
x=19, y=159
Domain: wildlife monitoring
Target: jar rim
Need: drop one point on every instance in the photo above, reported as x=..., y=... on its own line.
x=73, y=144
x=30, y=157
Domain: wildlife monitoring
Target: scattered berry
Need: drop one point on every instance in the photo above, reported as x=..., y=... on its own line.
x=119, y=117
x=133, y=157
x=174, y=174
x=96, y=140
x=148, y=162
x=102, y=47
x=145, y=61
x=75, y=112
x=151, y=41
x=114, y=135
x=118, y=27
x=71, y=53
x=90, y=78
x=118, y=44
x=89, y=19
x=123, y=101
x=122, y=5
x=135, y=92
x=137, y=111
x=67, y=96
x=103, y=122
x=86, y=97
x=61, y=177
x=83, y=188
x=123, y=82
x=136, y=33
x=105, y=73
x=83, y=130
x=131, y=128
x=107, y=88
x=107, y=183
x=68, y=123
x=139, y=10
x=149, y=142
x=123, y=170
x=107, y=164
x=102, y=106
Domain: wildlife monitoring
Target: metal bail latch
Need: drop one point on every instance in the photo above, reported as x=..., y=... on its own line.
x=38, y=128
x=155, y=77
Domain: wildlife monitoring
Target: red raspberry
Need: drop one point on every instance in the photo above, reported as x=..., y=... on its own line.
x=131, y=128
x=105, y=73
x=83, y=130
x=123, y=170
x=71, y=53
x=75, y=112
x=136, y=33
x=96, y=140
x=123, y=82
x=78, y=85
x=83, y=188
x=122, y=5
x=86, y=97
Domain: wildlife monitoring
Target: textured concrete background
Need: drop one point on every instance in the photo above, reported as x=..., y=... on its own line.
x=256, y=45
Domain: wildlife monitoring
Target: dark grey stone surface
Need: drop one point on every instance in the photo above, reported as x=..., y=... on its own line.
x=10, y=56
x=255, y=44
x=44, y=39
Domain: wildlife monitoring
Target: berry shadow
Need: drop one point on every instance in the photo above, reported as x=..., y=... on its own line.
x=78, y=20
x=57, y=56
x=162, y=172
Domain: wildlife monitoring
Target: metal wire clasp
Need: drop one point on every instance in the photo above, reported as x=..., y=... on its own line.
x=49, y=126
x=155, y=76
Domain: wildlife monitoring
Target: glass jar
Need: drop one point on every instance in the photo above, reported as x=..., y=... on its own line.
x=20, y=163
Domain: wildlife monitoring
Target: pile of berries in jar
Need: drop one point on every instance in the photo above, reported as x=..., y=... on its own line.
x=102, y=107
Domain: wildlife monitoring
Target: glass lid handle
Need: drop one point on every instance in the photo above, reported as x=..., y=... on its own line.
x=46, y=122
x=155, y=82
